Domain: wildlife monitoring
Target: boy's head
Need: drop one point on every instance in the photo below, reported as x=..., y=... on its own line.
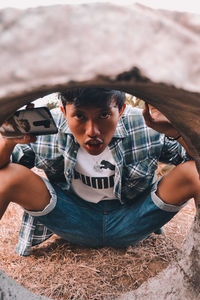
x=98, y=97
x=92, y=115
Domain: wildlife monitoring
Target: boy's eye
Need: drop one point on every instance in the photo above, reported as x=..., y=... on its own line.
x=79, y=116
x=104, y=115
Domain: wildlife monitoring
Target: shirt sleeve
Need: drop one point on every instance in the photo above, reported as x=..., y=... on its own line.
x=23, y=155
x=32, y=233
x=173, y=153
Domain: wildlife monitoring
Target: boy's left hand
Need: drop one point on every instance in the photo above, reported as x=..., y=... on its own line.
x=157, y=121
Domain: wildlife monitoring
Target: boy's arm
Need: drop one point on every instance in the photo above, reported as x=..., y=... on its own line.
x=157, y=121
x=182, y=142
x=7, y=146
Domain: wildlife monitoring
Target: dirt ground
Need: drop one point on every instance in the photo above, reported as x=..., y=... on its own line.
x=61, y=271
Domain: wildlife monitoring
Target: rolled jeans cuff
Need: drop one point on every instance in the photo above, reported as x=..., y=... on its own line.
x=160, y=203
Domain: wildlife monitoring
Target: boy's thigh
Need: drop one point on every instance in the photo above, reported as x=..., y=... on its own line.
x=137, y=220
x=22, y=186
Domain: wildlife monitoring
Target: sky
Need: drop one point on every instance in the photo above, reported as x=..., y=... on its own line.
x=179, y=5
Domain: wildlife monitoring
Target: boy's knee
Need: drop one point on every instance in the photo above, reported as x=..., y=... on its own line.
x=189, y=171
x=180, y=184
x=190, y=175
x=22, y=186
x=12, y=175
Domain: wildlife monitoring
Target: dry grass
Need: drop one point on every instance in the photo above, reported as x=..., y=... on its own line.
x=59, y=270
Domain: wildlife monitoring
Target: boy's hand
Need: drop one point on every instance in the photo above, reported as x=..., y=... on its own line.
x=26, y=139
x=157, y=121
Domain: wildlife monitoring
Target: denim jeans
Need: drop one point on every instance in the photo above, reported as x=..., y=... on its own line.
x=107, y=223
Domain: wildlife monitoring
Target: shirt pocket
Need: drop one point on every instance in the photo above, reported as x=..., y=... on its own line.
x=53, y=167
x=139, y=175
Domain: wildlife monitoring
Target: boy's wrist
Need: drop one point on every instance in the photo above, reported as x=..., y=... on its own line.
x=6, y=149
x=8, y=143
x=174, y=138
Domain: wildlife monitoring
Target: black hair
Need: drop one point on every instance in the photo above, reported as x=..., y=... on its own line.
x=99, y=97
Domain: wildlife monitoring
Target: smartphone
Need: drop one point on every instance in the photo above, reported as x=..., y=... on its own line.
x=34, y=121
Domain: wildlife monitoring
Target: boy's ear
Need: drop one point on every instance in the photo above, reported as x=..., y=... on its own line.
x=62, y=109
x=122, y=110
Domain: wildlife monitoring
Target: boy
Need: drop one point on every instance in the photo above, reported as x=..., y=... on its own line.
x=101, y=171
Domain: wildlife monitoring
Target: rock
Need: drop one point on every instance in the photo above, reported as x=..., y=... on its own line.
x=180, y=280
x=10, y=290
x=78, y=42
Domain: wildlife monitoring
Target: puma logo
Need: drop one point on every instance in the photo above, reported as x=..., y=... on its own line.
x=107, y=165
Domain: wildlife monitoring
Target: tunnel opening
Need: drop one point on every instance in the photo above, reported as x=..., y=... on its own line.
x=176, y=94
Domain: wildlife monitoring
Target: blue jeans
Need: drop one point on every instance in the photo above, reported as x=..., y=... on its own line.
x=107, y=223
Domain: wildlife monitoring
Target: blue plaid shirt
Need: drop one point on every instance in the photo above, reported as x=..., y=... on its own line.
x=136, y=148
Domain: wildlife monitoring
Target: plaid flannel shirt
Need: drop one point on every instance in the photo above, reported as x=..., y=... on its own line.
x=135, y=147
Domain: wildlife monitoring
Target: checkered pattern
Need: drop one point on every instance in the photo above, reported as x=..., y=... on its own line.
x=31, y=234
x=135, y=147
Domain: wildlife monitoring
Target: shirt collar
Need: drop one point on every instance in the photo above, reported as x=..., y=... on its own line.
x=63, y=126
x=120, y=131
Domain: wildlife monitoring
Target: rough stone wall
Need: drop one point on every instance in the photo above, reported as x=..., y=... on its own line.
x=151, y=54
x=46, y=48
x=10, y=290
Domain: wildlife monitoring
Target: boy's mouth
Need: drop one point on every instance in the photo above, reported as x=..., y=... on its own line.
x=94, y=145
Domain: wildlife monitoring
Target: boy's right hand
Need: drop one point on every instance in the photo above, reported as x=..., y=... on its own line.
x=24, y=140
x=7, y=146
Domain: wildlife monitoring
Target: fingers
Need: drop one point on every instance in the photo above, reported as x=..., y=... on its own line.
x=147, y=115
x=145, y=110
x=152, y=115
x=30, y=105
x=27, y=139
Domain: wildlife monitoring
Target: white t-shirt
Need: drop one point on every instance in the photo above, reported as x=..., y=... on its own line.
x=93, y=178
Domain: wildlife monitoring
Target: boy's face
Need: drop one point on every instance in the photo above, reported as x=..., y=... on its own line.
x=93, y=127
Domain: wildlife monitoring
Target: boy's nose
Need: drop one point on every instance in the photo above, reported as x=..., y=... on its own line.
x=92, y=129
